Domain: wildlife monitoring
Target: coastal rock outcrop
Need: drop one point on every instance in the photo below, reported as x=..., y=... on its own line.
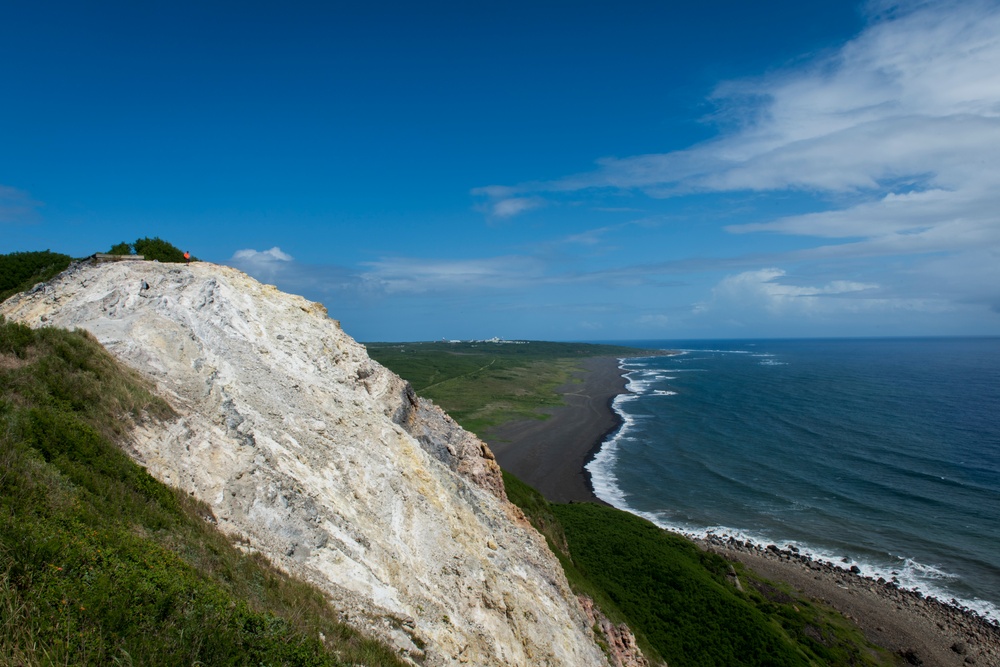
x=313, y=454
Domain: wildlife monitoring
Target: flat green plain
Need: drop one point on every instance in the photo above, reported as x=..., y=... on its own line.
x=483, y=384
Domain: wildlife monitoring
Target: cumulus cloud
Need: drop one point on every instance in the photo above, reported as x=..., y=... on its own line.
x=764, y=288
x=751, y=298
x=249, y=255
x=282, y=269
x=262, y=264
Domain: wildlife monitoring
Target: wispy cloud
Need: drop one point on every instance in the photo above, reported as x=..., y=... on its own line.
x=508, y=208
x=17, y=206
x=753, y=299
x=420, y=275
x=262, y=256
x=895, y=139
x=904, y=116
x=393, y=275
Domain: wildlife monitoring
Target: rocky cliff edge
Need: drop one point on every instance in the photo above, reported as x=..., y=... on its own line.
x=315, y=455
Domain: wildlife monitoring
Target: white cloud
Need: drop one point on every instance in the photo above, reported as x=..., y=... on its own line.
x=765, y=283
x=262, y=256
x=896, y=134
x=415, y=275
x=508, y=208
x=770, y=302
x=910, y=106
x=769, y=292
x=267, y=265
x=316, y=281
x=494, y=191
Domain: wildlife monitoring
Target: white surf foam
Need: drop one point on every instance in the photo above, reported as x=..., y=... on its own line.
x=906, y=573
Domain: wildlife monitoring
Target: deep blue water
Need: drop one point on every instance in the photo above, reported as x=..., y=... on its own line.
x=884, y=453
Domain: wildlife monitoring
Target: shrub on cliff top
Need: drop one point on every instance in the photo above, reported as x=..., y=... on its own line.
x=150, y=248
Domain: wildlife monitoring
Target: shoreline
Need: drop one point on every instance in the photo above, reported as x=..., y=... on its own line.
x=598, y=445
x=551, y=456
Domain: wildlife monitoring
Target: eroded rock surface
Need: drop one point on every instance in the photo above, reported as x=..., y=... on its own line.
x=326, y=462
x=619, y=642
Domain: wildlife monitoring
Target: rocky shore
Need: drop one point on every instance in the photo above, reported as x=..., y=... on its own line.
x=922, y=630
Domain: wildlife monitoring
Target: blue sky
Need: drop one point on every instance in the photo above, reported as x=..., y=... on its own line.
x=546, y=170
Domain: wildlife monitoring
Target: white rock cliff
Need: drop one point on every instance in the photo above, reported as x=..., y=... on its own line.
x=329, y=464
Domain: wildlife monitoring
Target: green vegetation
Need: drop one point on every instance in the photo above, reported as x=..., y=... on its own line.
x=678, y=600
x=542, y=515
x=680, y=596
x=150, y=248
x=484, y=384
x=20, y=271
x=100, y=564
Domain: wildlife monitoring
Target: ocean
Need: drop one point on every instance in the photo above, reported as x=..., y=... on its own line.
x=880, y=453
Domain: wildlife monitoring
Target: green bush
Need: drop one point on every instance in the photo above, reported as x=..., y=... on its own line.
x=150, y=248
x=677, y=599
x=675, y=592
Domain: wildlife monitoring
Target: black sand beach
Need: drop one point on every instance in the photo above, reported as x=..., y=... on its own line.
x=550, y=455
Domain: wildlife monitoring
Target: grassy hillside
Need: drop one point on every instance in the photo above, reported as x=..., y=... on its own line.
x=484, y=384
x=100, y=564
x=677, y=598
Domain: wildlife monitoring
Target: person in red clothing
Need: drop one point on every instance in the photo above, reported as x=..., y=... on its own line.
x=187, y=257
